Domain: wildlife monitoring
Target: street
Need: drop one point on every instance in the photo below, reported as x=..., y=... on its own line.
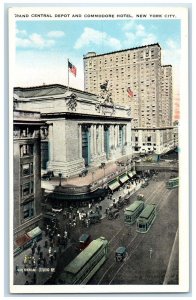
x=148, y=255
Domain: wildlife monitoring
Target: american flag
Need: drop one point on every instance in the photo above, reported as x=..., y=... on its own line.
x=130, y=92
x=72, y=68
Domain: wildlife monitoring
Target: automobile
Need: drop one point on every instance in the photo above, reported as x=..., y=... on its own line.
x=113, y=214
x=48, y=176
x=84, y=241
x=140, y=197
x=83, y=173
x=145, y=184
x=137, y=159
x=95, y=217
x=49, y=217
x=120, y=253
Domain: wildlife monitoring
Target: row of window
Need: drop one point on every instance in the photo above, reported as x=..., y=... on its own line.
x=26, y=150
x=27, y=189
x=28, y=210
x=27, y=169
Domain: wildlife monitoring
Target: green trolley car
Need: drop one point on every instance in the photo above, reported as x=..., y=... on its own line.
x=146, y=218
x=86, y=264
x=172, y=183
x=132, y=212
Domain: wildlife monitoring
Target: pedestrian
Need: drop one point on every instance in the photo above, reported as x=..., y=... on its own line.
x=49, y=251
x=55, y=254
x=25, y=261
x=25, y=271
x=51, y=259
x=34, y=278
x=33, y=250
x=46, y=244
x=33, y=262
x=41, y=255
x=39, y=262
x=26, y=282
x=44, y=262
x=16, y=269
x=38, y=249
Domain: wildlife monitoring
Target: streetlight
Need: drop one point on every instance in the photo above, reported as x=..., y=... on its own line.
x=60, y=175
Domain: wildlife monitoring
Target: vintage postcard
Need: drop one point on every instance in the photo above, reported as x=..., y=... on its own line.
x=98, y=103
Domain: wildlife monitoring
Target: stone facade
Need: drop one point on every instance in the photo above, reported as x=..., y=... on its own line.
x=139, y=69
x=83, y=131
x=157, y=140
x=27, y=171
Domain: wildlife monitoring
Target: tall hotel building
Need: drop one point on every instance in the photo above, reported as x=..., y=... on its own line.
x=151, y=101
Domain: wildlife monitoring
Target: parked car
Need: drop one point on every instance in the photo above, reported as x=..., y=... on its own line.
x=48, y=175
x=49, y=217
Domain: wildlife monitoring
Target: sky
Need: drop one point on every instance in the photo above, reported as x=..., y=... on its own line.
x=43, y=47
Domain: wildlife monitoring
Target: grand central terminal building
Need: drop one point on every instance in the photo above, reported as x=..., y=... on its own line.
x=81, y=130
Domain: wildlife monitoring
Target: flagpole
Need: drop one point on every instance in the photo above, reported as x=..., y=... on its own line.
x=68, y=73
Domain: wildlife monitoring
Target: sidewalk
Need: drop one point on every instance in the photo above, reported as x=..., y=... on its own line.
x=42, y=272
x=92, y=177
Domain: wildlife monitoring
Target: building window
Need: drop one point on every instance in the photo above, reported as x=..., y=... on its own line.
x=27, y=189
x=26, y=150
x=136, y=138
x=149, y=138
x=27, y=169
x=28, y=210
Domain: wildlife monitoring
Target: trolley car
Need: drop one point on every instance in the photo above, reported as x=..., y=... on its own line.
x=172, y=183
x=146, y=218
x=86, y=264
x=132, y=212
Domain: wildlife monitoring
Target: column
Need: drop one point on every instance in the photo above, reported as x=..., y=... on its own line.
x=95, y=139
x=92, y=140
x=102, y=138
x=50, y=142
x=117, y=134
x=112, y=135
x=126, y=137
x=79, y=141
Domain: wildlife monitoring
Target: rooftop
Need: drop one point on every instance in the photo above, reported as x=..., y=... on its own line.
x=49, y=90
x=80, y=260
x=147, y=211
x=118, y=51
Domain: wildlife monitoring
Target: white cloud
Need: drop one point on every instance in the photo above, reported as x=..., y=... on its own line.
x=55, y=34
x=96, y=37
x=137, y=34
x=149, y=39
x=129, y=25
x=21, y=32
x=35, y=40
x=171, y=44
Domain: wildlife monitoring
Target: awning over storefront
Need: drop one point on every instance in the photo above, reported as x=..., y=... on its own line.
x=22, y=240
x=123, y=178
x=114, y=184
x=130, y=174
x=34, y=233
